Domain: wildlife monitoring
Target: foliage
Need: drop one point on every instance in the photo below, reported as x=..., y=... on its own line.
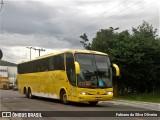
x=85, y=41
x=149, y=97
x=137, y=55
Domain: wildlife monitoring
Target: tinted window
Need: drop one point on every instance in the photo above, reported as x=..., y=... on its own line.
x=41, y=65
x=58, y=62
x=70, y=68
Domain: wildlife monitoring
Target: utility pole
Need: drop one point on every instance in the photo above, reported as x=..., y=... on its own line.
x=30, y=50
x=39, y=50
x=1, y=5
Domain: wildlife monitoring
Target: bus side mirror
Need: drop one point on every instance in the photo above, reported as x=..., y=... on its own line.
x=117, y=69
x=77, y=67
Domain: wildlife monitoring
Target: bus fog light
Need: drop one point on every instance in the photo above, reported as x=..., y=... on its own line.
x=109, y=93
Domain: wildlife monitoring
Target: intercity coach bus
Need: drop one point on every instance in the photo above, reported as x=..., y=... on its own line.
x=71, y=75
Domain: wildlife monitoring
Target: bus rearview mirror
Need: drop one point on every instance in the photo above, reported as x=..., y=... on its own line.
x=117, y=69
x=77, y=68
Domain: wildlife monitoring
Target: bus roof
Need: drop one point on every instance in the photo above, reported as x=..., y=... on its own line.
x=64, y=51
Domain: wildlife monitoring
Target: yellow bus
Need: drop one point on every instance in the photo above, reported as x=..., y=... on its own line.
x=71, y=75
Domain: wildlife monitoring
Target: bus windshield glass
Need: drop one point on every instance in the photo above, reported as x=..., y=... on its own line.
x=95, y=71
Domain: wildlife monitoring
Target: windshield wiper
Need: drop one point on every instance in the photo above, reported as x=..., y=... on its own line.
x=87, y=75
x=86, y=72
x=100, y=73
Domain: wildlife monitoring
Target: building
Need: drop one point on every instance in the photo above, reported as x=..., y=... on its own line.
x=8, y=74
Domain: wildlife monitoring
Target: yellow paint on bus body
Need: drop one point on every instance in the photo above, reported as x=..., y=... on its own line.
x=49, y=84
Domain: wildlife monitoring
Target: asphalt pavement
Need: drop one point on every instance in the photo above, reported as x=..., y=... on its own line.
x=12, y=101
x=138, y=104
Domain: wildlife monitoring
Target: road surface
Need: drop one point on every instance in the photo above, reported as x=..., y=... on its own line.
x=13, y=101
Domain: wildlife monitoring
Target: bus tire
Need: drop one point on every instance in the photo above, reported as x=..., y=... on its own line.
x=25, y=92
x=30, y=96
x=27, y=95
x=93, y=102
x=63, y=97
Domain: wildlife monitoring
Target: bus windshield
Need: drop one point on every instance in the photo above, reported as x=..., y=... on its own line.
x=95, y=71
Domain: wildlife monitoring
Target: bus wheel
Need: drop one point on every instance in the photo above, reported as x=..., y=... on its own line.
x=25, y=92
x=93, y=102
x=30, y=94
x=26, y=95
x=63, y=97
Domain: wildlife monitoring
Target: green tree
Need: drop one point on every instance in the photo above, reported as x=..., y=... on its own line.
x=105, y=40
x=85, y=42
x=137, y=55
x=148, y=48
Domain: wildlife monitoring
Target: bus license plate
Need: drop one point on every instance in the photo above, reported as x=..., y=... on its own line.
x=98, y=98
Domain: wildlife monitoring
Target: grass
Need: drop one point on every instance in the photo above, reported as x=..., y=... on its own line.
x=141, y=97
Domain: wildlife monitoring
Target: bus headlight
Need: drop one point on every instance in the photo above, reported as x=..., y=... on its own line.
x=109, y=93
x=83, y=93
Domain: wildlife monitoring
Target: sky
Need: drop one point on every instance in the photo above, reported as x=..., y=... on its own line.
x=57, y=24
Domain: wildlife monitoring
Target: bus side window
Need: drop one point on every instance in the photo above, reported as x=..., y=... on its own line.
x=70, y=68
x=58, y=62
x=51, y=65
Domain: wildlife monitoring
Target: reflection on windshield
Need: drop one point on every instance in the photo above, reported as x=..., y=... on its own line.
x=95, y=71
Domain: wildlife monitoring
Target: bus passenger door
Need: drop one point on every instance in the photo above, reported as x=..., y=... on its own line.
x=71, y=76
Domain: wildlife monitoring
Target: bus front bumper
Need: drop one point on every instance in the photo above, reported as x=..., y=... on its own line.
x=87, y=98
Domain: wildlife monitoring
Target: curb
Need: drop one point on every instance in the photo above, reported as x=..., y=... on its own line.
x=138, y=104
